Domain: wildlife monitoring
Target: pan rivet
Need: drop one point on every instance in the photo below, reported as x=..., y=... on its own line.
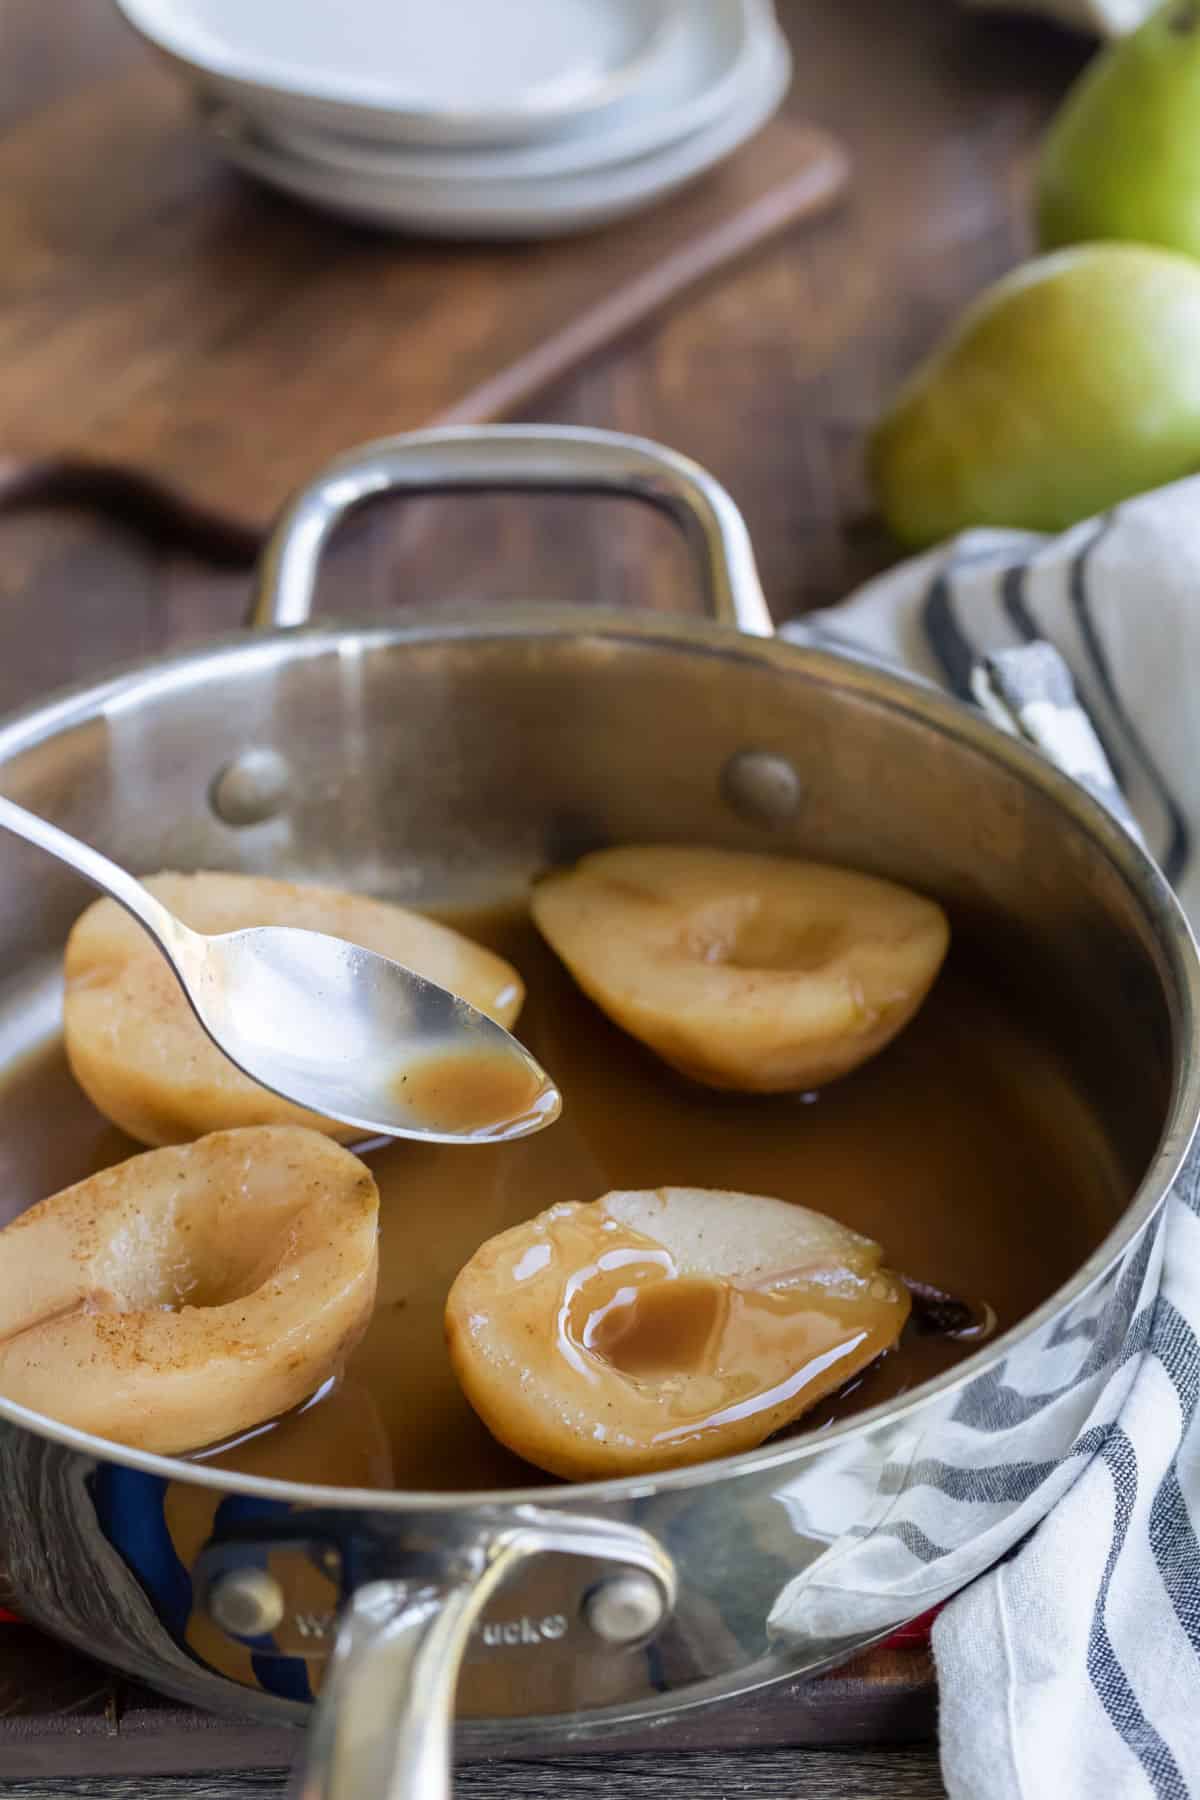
x=762, y=787
x=250, y=789
x=625, y=1608
x=246, y=1602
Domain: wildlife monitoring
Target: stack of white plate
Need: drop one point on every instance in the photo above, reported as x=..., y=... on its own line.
x=475, y=118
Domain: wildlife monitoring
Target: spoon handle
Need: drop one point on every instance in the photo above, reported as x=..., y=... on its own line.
x=163, y=926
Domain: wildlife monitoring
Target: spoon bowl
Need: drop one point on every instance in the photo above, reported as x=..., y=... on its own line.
x=330, y=1026
x=361, y=1039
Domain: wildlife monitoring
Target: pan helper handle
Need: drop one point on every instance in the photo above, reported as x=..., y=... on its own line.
x=515, y=459
x=383, y=1726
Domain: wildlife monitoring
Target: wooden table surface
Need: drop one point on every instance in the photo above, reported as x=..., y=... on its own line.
x=768, y=377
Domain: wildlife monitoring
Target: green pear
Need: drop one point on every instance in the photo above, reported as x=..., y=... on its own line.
x=1069, y=385
x=1122, y=158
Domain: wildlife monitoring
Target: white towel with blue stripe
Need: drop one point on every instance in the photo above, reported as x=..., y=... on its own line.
x=1072, y=1670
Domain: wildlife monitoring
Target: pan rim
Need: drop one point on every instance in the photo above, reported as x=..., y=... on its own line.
x=898, y=693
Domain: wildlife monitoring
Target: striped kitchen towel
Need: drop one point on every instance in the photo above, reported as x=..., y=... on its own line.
x=1072, y=1669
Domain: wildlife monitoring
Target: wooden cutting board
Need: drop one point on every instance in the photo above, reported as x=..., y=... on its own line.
x=162, y=310
x=61, y=1715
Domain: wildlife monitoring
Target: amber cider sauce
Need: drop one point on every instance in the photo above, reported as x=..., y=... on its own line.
x=965, y=1149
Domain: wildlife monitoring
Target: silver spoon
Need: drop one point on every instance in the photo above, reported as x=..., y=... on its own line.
x=340, y=1030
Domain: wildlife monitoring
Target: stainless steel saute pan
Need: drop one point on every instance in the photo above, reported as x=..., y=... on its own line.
x=448, y=757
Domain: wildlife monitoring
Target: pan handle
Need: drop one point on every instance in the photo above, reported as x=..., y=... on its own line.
x=382, y=1727
x=521, y=459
